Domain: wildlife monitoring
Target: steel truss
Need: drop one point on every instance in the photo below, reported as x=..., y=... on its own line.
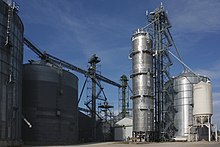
x=158, y=26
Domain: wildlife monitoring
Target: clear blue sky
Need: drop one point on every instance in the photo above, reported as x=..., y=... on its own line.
x=73, y=30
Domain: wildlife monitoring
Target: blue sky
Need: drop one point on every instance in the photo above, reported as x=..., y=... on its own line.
x=73, y=30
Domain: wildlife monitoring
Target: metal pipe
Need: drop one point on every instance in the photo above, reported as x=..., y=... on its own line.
x=209, y=127
x=216, y=133
x=27, y=122
x=183, y=63
x=94, y=102
x=149, y=24
x=174, y=44
x=82, y=90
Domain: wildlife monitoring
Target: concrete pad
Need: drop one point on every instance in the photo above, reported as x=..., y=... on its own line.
x=166, y=144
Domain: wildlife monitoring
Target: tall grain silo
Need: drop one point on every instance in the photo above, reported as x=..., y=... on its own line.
x=50, y=97
x=183, y=101
x=11, y=58
x=142, y=85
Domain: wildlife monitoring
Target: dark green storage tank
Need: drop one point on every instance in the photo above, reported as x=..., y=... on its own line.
x=50, y=104
x=11, y=60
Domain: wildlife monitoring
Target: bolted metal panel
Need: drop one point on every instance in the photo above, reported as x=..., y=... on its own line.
x=142, y=85
x=11, y=58
x=50, y=105
x=142, y=82
x=143, y=114
x=183, y=101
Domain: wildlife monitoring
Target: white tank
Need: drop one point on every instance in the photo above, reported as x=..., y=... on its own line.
x=202, y=95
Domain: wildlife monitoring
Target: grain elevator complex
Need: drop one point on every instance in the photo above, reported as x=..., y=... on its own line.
x=40, y=100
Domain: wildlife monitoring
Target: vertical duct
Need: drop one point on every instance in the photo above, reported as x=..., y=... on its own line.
x=142, y=84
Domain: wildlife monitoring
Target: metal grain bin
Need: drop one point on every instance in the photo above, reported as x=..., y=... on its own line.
x=85, y=127
x=11, y=58
x=142, y=85
x=183, y=101
x=50, y=105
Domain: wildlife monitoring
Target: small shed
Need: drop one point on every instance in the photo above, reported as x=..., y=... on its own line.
x=123, y=129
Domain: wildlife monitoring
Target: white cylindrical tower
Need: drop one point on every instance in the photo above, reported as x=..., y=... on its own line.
x=202, y=110
x=202, y=94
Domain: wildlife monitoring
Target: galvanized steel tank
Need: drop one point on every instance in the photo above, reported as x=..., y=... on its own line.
x=11, y=58
x=50, y=104
x=183, y=101
x=142, y=83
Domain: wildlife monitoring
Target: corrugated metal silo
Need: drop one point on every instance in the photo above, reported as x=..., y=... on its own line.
x=183, y=101
x=142, y=84
x=11, y=58
x=50, y=105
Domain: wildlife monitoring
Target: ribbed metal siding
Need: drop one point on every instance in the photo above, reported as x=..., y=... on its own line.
x=85, y=127
x=142, y=82
x=50, y=105
x=183, y=101
x=11, y=58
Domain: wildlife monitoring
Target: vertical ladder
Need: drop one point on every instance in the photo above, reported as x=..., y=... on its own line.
x=10, y=17
x=12, y=103
x=10, y=87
